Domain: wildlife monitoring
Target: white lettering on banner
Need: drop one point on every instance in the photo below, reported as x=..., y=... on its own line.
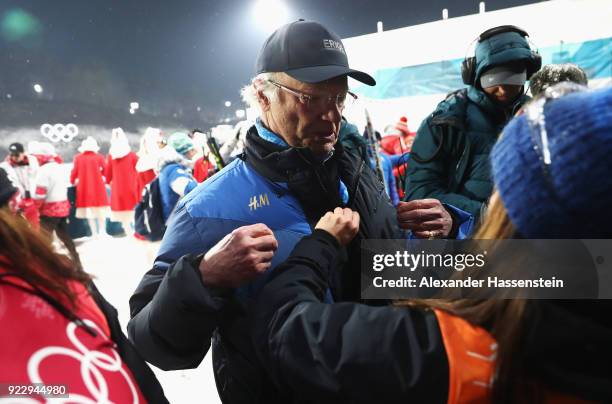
x=331, y=44
x=59, y=131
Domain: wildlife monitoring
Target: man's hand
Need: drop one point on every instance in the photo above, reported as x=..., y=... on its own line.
x=241, y=256
x=427, y=218
x=342, y=223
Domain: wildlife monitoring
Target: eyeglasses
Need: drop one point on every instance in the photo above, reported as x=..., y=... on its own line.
x=320, y=102
x=537, y=125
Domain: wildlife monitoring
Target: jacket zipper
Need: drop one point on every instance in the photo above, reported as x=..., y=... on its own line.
x=352, y=194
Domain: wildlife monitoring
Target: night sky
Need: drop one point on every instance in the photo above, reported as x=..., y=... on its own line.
x=168, y=54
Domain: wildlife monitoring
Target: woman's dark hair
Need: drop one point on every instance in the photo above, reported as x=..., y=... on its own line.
x=29, y=255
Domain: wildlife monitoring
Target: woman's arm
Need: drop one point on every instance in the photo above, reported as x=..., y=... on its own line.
x=343, y=352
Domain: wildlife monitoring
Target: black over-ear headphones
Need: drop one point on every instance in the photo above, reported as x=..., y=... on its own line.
x=468, y=66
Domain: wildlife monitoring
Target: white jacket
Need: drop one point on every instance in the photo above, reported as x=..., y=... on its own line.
x=23, y=177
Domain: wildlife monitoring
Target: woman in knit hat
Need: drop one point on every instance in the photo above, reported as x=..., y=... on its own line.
x=554, y=179
x=398, y=138
x=175, y=166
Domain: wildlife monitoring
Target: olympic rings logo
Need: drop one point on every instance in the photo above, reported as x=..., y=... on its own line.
x=58, y=132
x=93, y=366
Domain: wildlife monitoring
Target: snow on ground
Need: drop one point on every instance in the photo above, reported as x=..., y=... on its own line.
x=118, y=264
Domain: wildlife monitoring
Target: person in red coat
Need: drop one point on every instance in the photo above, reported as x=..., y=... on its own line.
x=150, y=145
x=397, y=142
x=88, y=176
x=203, y=168
x=122, y=176
x=398, y=138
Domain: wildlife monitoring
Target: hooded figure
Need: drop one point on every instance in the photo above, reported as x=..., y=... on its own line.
x=122, y=177
x=88, y=177
x=150, y=148
x=449, y=160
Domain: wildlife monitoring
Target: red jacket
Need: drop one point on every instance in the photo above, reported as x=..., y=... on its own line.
x=142, y=179
x=202, y=169
x=87, y=174
x=122, y=177
x=41, y=345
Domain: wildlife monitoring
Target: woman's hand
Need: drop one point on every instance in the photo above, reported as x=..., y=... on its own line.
x=342, y=223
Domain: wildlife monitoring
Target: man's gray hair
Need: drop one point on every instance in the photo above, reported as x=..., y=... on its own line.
x=249, y=92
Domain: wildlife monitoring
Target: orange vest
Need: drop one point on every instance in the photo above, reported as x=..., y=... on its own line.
x=471, y=353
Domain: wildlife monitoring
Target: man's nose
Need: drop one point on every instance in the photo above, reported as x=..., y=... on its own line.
x=501, y=90
x=332, y=113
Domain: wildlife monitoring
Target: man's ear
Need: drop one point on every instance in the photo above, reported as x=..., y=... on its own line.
x=264, y=102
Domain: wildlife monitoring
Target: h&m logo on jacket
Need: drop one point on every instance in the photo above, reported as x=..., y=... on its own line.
x=255, y=203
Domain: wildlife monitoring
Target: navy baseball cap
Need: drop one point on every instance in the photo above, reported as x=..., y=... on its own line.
x=308, y=52
x=16, y=149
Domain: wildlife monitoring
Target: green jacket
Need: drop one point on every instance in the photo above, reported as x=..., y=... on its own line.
x=450, y=155
x=449, y=159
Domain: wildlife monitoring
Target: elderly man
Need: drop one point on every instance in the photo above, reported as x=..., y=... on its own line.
x=247, y=218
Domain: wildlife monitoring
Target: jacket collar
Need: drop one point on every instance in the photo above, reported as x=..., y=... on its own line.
x=272, y=137
x=268, y=135
x=315, y=183
x=278, y=162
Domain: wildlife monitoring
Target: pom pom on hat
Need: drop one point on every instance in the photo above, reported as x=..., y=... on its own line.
x=400, y=128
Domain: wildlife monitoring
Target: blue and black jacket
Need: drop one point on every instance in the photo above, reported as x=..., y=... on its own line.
x=174, y=315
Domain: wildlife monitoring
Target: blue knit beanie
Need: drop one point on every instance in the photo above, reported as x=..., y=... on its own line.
x=572, y=197
x=180, y=142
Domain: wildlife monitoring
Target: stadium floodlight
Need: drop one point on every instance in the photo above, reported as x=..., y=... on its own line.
x=270, y=14
x=228, y=104
x=38, y=88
